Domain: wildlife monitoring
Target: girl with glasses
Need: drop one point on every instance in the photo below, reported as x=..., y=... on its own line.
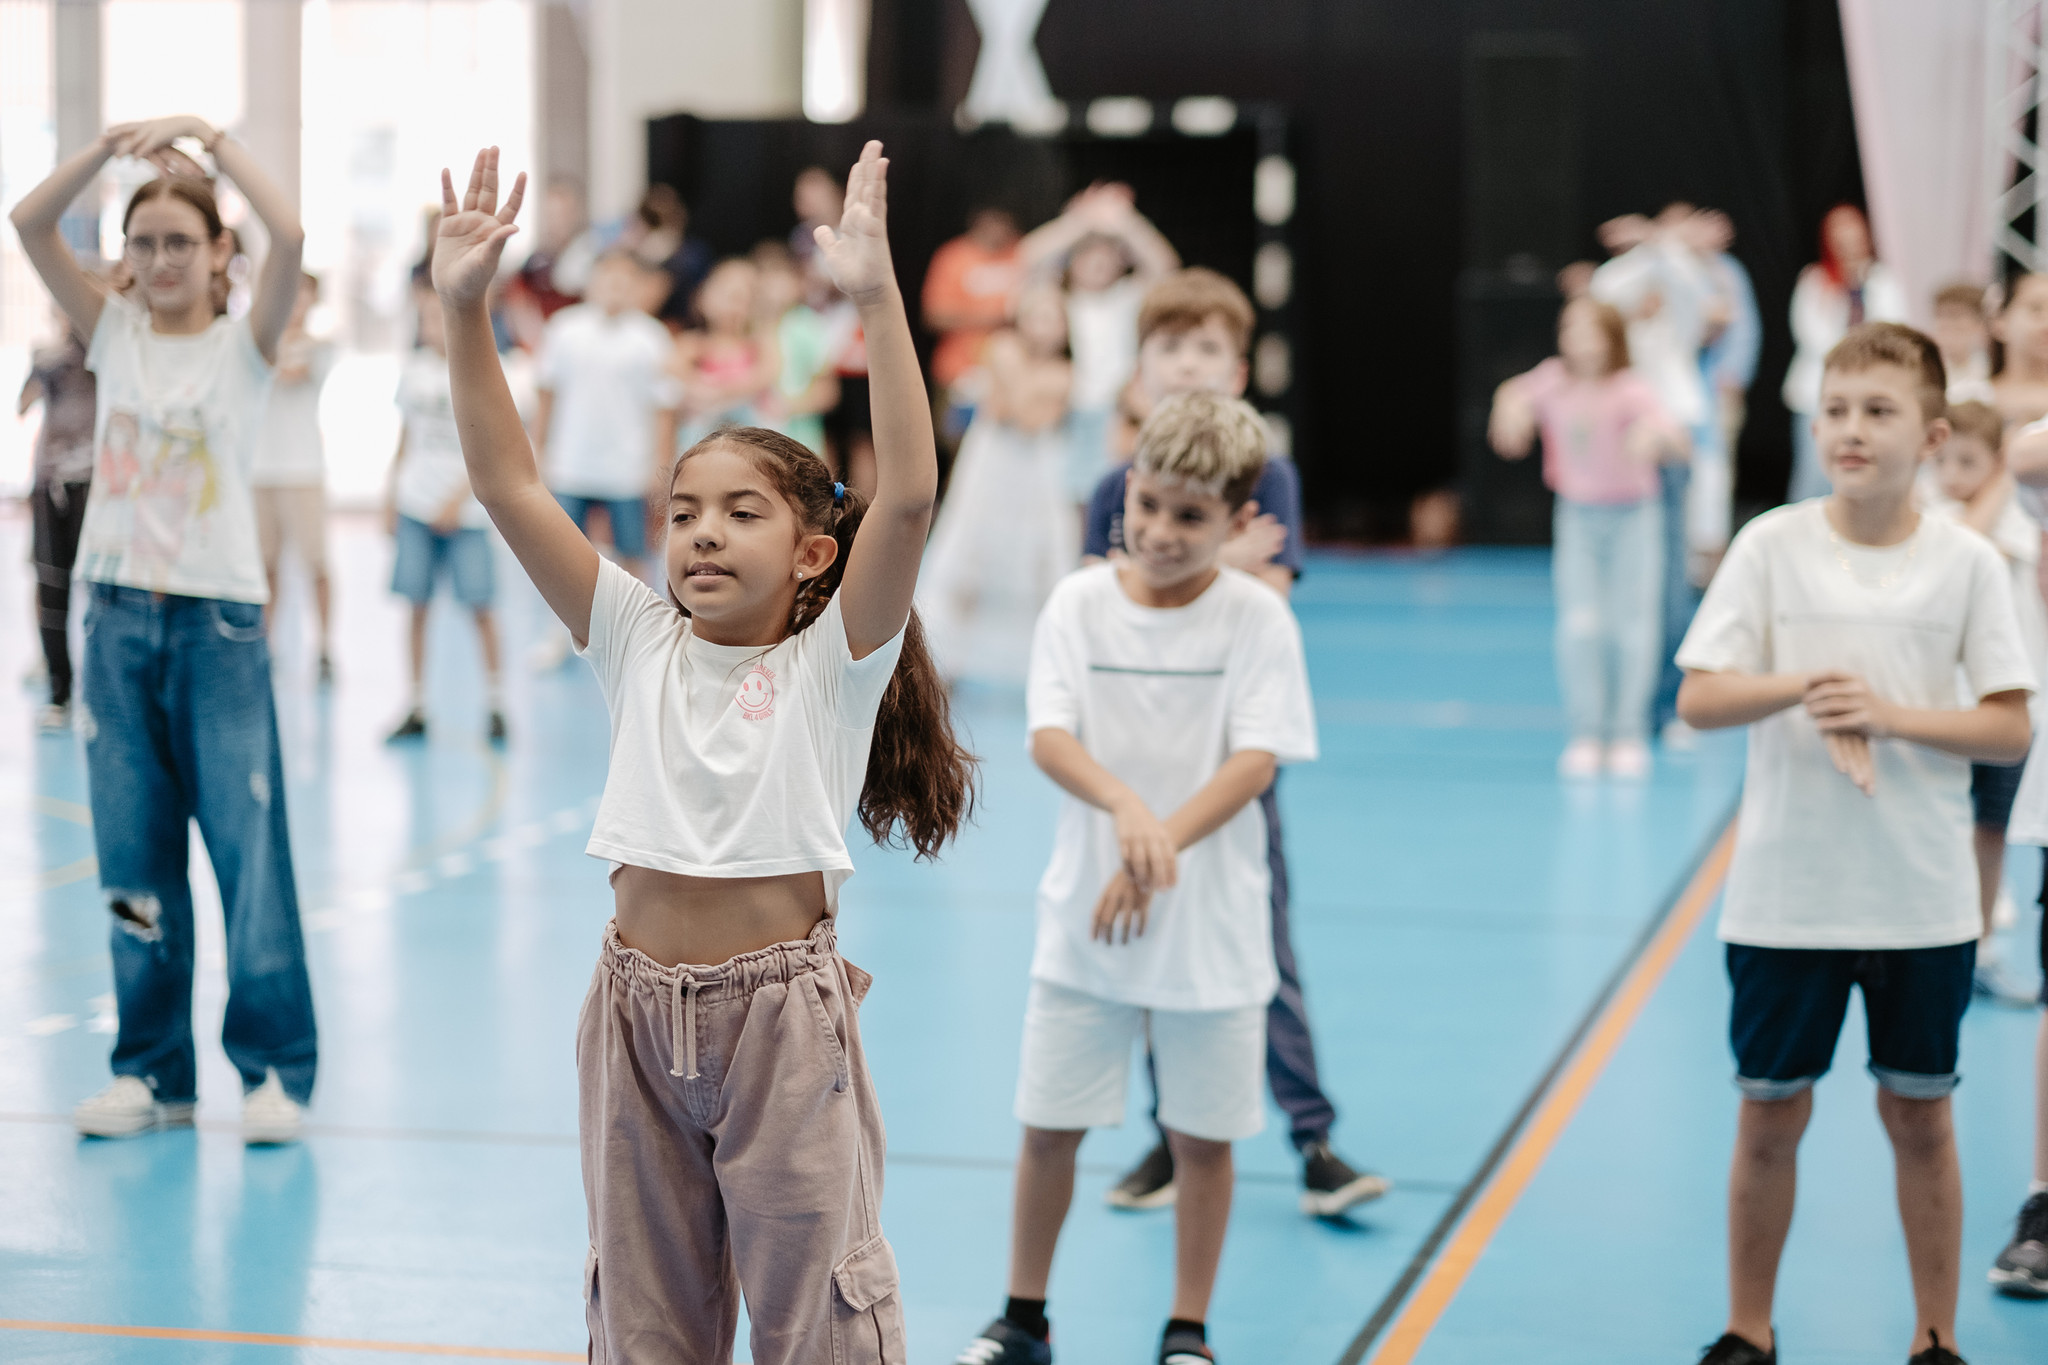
x=176, y=705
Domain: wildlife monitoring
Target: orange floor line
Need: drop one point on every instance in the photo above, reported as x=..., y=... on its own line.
x=413, y=1348
x=1419, y=1316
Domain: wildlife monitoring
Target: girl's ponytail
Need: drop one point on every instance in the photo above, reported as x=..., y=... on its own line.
x=921, y=781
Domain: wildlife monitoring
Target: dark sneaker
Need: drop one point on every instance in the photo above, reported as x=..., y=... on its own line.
x=1147, y=1185
x=496, y=728
x=1003, y=1342
x=414, y=726
x=1329, y=1185
x=1935, y=1354
x=326, y=673
x=2021, y=1270
x=1734, y=1350
x=1185, y=1348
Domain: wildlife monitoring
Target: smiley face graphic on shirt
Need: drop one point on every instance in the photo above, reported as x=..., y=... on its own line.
x=756, y=697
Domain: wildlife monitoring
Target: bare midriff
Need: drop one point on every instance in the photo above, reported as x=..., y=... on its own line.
x=704, y=921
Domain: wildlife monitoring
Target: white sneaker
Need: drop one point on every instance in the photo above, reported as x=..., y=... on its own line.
x=269, y=1115
x=1629, y=760
x=54, y=719
x=1679, y=737
x=1580, y=759
x=128, y=1108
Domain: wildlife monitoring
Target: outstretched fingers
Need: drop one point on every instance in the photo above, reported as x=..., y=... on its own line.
x=472, y=195
x=449, y=207
x=513, y=200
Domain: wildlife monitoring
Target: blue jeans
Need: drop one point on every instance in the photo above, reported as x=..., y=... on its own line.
x=628, y=517
x=1608, y=567
x=1290, y=1051
x=179, y=724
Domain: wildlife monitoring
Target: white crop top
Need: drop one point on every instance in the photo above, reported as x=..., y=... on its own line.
x=729, y=760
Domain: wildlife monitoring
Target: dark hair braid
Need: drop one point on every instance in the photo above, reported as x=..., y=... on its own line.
x=921, y=782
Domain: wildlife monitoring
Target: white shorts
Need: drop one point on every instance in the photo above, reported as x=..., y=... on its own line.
x=1211, y=1064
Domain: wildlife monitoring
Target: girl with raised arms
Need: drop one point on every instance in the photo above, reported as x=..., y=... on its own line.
x=177, y=714
x=729, y=1130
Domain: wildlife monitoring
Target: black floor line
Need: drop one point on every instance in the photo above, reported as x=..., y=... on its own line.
x=1455, y=1211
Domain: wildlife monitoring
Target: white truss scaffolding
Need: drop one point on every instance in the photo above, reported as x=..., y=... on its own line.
x=2016, y=75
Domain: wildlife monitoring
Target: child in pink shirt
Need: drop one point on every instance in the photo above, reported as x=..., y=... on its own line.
x=1604, y=434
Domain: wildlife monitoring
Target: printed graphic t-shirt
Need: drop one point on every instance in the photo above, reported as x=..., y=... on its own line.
x=1161, y=697
x=1817, y=863
x=729, y=760
x=170, y=509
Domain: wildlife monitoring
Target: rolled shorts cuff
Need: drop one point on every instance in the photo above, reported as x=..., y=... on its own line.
x=1916, y=1085
x=1756, y=1088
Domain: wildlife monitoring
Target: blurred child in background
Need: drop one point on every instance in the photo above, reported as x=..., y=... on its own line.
x=441, y=529
x=1006, y=531
x=1964, y=336
x=729, y=370
x=1971, y=485
x=1604, y=437
x=59, y=380
x=2020, y=388
x=289, y=477
x=1109, y=254
x=807, y=387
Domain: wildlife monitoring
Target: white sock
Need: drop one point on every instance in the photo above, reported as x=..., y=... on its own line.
x=419, y=697
x=2035, y=1187
x=494, y=693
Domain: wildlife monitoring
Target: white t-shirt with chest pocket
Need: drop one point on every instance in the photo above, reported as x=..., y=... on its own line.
x=1161, y=697
x=1817, y=863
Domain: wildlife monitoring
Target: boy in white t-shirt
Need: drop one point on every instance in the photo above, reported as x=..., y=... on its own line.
x=441, y=529
x=1164, y=693
x=1835, y=629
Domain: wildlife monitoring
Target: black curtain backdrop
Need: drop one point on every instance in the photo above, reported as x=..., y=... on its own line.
x=1738, y=104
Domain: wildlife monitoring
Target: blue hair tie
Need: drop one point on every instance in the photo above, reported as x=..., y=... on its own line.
x=838, y=494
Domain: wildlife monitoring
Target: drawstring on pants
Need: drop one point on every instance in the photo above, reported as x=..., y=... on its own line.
x=682, y=1015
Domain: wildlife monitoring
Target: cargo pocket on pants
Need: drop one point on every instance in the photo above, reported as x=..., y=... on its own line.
x=867, y=1317
x=593, y=1311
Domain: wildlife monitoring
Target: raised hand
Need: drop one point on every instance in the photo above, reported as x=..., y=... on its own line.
x=857, y=252
x=148, y=138
x=472, y=235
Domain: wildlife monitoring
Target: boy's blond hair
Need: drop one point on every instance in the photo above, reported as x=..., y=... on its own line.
x=1211, y=442
x=1188, y=298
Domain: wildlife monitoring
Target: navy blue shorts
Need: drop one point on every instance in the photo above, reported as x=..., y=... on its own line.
x=1790, y=1003
x=1992, y=788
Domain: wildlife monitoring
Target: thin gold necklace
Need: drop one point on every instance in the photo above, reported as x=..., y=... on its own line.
x=1887, y=581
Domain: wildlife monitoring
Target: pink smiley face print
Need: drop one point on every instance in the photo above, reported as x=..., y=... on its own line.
x=757, y=693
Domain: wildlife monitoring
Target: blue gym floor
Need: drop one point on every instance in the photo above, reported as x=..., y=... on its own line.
x=1458, y=913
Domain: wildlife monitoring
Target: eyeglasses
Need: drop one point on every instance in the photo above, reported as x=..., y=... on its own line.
x=177, y=249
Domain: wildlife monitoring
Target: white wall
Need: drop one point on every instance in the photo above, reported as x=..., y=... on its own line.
x=718, y=58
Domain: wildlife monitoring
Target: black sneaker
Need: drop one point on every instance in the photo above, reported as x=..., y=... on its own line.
x=1147, y=1185
x=326, y=672
x=1329, y=1185
x=1734, y=1350
x=1185, y=1348
x=1003, y=1342
x=414, y=726
x=1935, y=1354
x=2021, y=1270
x=496, y=729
